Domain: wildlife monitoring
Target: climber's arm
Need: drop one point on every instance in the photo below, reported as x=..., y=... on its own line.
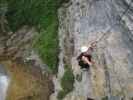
x=86, y=60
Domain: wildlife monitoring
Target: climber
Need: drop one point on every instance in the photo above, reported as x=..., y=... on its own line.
x=85, y=58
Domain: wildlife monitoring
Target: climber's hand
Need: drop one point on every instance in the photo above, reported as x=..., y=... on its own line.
x=93, y=62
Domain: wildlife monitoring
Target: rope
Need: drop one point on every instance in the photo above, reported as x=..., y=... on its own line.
x=123, y=14
x=100, y=39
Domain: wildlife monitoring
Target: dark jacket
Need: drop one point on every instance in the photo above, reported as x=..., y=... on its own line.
x=89, y=57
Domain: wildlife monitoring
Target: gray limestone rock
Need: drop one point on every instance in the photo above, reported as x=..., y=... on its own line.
x=86, y=21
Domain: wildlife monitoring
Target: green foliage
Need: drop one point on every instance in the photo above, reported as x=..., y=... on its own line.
x=3, y=7
x=41, y=14
x=31, y=12
x=47, y=45
x=61, y=95
x=67, y=82
x=105, y=98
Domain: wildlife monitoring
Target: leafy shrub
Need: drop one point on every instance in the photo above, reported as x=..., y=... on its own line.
x=61, y=95
x=67, y=82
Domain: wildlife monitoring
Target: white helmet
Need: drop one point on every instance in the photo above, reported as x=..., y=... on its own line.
x=84, y=49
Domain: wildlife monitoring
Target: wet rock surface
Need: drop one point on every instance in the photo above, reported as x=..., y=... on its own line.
x=85, y=21
x=4, y=82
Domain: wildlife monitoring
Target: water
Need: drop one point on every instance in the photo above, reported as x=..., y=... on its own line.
x=4, y=82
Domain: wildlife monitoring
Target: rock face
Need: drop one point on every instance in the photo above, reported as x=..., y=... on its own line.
x=14, y=45
x=28, y=80
x=110, y=22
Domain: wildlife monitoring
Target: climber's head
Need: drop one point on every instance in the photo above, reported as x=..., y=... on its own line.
x=84, y=49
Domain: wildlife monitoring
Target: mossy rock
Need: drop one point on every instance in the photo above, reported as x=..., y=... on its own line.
x=105, y=98
x=67, y=83
x=61, y=95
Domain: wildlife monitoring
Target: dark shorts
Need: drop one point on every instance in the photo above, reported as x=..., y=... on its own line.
x=83, y=65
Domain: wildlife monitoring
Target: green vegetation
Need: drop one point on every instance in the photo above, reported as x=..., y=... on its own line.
x=31, y=12
x=47, y=45
x=67, y=82
x=105, y=98
x=41, y=14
